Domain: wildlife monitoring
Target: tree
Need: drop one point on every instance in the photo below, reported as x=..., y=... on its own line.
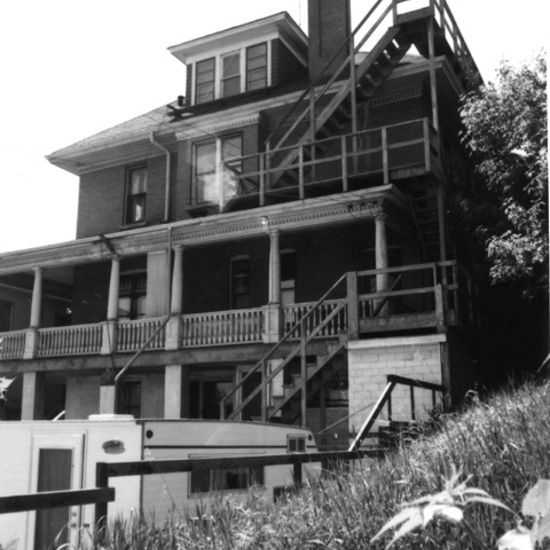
x=505, y=128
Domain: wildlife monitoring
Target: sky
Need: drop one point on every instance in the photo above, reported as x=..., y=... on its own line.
x=71, y=68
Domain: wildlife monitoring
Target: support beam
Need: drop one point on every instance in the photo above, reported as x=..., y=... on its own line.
x=32, y=402
x=381, y=257
x=176, y=391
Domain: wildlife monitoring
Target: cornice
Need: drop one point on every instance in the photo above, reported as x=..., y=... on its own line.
x=293, y=216
x=210, y=129
x=125, y=159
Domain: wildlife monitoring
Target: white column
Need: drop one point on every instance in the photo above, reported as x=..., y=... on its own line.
x=177, y=282
x=274, y=267
x=32, y=399
x=381, y=257
x=176, y=391
x=36, y=305
x=114, y=285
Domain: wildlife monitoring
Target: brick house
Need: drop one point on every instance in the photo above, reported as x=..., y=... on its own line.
x=271, y=245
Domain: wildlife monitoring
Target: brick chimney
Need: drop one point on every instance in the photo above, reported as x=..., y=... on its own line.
x=329, y=23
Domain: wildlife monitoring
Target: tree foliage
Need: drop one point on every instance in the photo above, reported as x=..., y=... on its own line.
x=505, y=128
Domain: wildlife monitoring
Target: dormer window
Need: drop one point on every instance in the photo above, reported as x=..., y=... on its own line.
x=206, y=80
x=232, y=73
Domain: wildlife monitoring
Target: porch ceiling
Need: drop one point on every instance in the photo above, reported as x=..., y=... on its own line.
x=333, y=210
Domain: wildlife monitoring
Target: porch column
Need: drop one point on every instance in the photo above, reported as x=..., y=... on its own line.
x=31, y=338
x=176, y=391
x=274, y=267
x=36, y=304
x=381, y=259
x=273, y=310
x=109, y=328
x=32, y=399
x=173, y=328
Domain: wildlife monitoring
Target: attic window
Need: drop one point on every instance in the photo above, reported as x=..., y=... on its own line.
x=206, y=74
x=232, y=73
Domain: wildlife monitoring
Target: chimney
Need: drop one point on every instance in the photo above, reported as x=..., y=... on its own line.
x=329, y=25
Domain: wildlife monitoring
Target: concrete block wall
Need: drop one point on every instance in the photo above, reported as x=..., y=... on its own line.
x=371, y=361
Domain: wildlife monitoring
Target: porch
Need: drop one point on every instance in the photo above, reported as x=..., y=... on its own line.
x=429, y=297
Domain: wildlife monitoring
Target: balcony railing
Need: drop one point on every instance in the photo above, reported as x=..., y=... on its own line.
x=133, y=334
x=418, y=296
x=12, y=344
x=222, y=327
x=388, y=152
x=74, y=340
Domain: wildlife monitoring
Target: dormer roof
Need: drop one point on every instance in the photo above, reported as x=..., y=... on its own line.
x=281, y=25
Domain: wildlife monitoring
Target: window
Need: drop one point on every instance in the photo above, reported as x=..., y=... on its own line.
x=136, y=193
x=231, y=74
x=295, y=444
x=132, y=294
x=216, y=163
x=240, y=283
x=206, y=80
x=6, y=316
x=233, y=479
x=256, y=67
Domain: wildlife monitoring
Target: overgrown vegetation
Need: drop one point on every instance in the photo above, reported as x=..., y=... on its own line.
x=503, y=444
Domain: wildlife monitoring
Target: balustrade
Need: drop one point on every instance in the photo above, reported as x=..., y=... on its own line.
x=222, y=327
x=12, y=344
x=132, y=335
x=294, y=312
x=73, y=340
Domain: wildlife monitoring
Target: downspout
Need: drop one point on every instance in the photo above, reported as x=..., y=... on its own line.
x=168, y=169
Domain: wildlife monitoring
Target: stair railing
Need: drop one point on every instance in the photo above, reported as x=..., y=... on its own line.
x=385, y=397
x=261, y=366
x=310, y=90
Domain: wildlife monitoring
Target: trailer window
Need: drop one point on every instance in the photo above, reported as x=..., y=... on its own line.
x=296, y=444
x=234, y=479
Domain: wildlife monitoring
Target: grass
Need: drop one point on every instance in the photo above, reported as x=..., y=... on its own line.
x=503, y=443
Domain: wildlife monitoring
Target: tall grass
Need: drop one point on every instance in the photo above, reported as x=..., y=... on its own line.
x=504, y=443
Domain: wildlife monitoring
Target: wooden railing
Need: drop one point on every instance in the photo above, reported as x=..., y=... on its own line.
x=73, y=340
x=336, y=325
x=383, y=151
x=386, y=398
x=222, y=327
x=133, y=334
x=12, y=344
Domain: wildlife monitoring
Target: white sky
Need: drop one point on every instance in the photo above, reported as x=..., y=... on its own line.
x=71, y=68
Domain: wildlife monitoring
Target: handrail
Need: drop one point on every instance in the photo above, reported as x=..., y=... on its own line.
x=385, y=397
x=285, y=337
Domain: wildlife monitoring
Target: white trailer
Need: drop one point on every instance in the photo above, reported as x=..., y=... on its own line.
x=48, y=456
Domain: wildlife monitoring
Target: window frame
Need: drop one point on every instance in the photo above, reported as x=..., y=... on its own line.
x=233, y=296
x=135, y=294
x=133, y=199
x=217, y=70
x=220, y=178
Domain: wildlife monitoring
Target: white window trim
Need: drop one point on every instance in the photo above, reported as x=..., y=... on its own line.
x=218, y=68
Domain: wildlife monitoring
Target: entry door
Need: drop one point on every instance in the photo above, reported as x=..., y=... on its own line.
x=56, y=466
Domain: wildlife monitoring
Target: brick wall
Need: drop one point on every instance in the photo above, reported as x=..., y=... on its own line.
x=370, y=361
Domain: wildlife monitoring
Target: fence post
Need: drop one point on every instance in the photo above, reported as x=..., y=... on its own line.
x=101, y=480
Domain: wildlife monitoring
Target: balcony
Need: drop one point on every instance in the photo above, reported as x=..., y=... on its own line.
x=336, y=164
x=422, y=296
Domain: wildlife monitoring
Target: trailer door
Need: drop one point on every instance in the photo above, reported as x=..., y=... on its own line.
x=57, y=461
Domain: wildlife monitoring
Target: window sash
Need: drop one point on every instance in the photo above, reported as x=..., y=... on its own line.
x=256, y=67
x=231, y=74
x=205, y=80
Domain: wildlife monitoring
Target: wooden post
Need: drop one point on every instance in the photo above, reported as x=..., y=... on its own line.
x=264, y=392
x=303, y=373
x=101, y=481
x=344, y=154
x=301, y=188
x=352, y=305
x=36, y=304
x=297, y=473
x=385, y=160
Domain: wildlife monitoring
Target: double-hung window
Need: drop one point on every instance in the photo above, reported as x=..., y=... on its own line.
x=132, y=295
x=136, y=192
x=256, y=67
x=217, y=163
x=205, y=80
x=6, y=315
x=231, y=74
x=240, y=283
